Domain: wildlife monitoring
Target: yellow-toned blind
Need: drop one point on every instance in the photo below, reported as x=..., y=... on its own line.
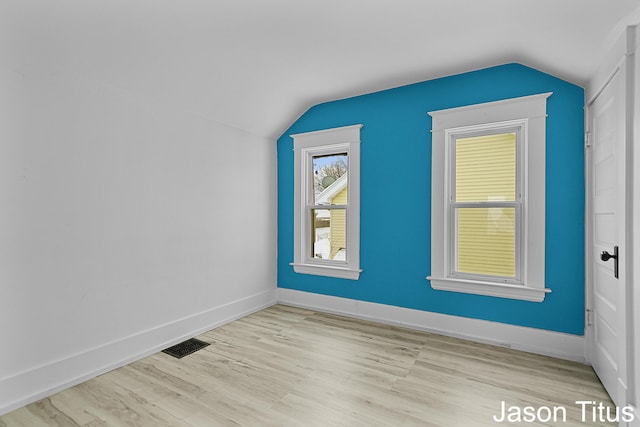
x=486, y=168
x=485, y=171
x=486, y=241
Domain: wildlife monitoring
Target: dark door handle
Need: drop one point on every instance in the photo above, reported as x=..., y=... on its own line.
x=606, y=256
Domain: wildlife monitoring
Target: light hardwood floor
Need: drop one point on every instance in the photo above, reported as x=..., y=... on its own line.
x=287, y=366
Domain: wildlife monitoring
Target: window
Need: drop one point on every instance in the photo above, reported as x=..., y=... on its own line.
x=485, y=204
x=488, y=199
x=327, y=202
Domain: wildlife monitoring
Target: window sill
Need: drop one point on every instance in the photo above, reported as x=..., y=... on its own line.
x=489, y=288
x=327, y=270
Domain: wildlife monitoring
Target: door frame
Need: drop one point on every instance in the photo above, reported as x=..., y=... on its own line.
x=621, y=60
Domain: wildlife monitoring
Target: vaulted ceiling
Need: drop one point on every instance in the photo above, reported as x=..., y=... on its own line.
x=257, y=64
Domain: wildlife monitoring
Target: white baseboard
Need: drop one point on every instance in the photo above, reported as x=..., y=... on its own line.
x=539, y=341
x=31, y=385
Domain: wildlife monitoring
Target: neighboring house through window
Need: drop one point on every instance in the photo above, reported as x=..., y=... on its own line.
x=327, y=202
x=488, y=198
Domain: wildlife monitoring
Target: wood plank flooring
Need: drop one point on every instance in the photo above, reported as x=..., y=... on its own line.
x=286, y=366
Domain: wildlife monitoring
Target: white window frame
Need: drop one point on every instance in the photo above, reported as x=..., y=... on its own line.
x=527, y=115
x=344, y=139
x=519, y=127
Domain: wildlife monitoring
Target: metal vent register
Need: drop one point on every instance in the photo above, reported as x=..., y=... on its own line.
x=185, y=348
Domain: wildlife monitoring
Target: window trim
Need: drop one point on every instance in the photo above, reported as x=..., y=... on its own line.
x=344, y=139
x=526, y=111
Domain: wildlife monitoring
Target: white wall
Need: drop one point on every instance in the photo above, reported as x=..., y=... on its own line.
x=125, y=225
x=634, y=397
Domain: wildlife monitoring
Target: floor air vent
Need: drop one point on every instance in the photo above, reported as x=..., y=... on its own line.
x=185, y=348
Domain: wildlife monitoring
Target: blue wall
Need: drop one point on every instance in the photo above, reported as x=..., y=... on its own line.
x=396, y=182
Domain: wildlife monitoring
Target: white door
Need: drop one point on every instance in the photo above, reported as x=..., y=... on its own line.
x=606, y=295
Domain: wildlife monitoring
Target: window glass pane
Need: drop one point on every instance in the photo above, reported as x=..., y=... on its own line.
x=330, y=179
x=486, y=168
x=486, y=241
x=329, y=234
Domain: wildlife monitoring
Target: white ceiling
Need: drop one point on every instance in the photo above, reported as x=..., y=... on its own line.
x=258, y=64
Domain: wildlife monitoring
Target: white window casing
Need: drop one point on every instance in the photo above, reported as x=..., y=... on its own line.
x=527, y=117
x=319, y=143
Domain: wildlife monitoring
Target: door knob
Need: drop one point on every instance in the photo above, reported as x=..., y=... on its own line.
x=606, y=256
